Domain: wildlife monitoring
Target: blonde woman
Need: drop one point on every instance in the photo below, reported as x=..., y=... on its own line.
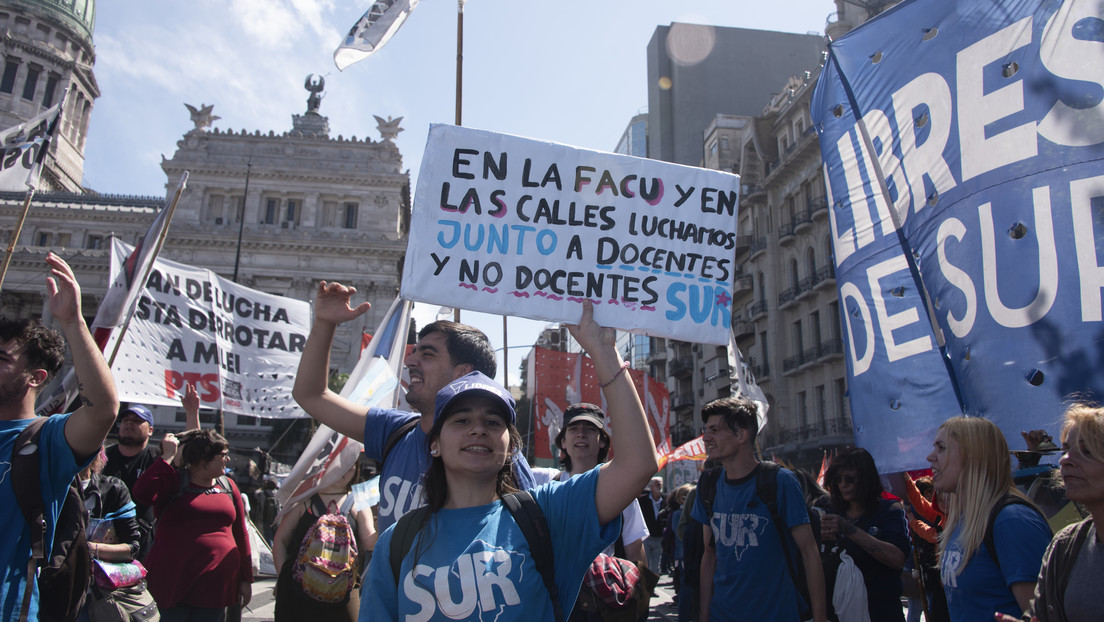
x=1069, y=582
x=972, y=466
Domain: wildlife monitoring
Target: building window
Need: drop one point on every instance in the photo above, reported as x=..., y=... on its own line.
x=818, y=402
x=841, y=398
x=802, y=409
x=271, y=206
x=247, y=420
x=292, y=211
x=94, y=242
x=214, y=209
x=43, y=238
x=50, y=90
x=31, y=84
x=350, y=220
x=7, y=82
x=239, y=208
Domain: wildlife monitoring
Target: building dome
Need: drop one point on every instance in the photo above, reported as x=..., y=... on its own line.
x=78, y=15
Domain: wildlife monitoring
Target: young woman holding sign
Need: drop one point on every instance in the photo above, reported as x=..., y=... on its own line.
x=469, y=556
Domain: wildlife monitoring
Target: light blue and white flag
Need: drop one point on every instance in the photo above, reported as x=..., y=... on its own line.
x=963, y=143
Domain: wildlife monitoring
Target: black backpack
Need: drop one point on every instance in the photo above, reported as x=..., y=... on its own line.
x=64, y=569
x=529, y=518
x=766, y=489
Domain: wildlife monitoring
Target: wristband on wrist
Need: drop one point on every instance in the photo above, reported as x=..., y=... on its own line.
x=620, y=371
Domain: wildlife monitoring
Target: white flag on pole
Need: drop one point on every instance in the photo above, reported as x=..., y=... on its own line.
x=23, y=148
x=373, y=30
x=118, y=304
x=743, y=381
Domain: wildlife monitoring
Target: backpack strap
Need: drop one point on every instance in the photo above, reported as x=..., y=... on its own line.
x=707, y=488
x=395, y=436
x=27, y=485
x=317, y=506
x=766, y=489
x=530, y=519
x=990, y=537
x=402, y=538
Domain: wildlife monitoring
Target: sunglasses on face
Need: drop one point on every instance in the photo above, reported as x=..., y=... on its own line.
x=846, y=479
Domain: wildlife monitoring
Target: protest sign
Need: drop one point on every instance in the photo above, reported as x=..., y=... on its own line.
x=561, y=379
x=963, y=144
x=238, y=346
x=520, y=227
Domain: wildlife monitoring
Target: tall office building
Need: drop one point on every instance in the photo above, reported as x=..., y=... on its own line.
x=696, y=72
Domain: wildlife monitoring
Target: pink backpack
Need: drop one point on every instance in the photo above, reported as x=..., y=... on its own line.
x=326, y=566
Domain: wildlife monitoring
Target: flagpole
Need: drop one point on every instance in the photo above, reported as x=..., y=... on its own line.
x=142, y=278
x=459, y=61
x=15, y=236
x=241, y=217
x=459, y=90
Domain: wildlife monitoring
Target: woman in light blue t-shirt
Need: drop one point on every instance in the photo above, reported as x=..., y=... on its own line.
x=469, y=559
x=972, y=466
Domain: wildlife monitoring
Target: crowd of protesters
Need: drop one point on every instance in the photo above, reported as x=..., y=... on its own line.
x=748, y=540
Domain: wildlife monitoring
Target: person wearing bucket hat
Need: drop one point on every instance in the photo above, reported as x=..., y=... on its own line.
x=470, y=558
x=445, y=351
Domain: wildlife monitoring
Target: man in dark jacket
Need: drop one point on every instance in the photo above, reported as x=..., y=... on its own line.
x=651, y=504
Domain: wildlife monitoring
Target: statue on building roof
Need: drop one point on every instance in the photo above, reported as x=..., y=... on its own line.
x=389, y=129
x=202, y=116
x=314, y=85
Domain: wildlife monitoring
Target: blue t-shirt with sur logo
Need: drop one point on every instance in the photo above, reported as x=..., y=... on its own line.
x=751, y=575
x=982, y=588
x=475, y=564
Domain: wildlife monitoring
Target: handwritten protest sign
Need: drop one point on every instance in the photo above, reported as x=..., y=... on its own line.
x=514, y=226
x=238, y=346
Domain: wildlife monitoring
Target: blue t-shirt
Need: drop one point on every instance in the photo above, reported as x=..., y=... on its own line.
x=401, y=477
x=57, y=467
x=478, y=566
x=1021, y=536
x=751, y=575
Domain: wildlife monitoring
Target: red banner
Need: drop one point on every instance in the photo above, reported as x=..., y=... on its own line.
x=562, y=379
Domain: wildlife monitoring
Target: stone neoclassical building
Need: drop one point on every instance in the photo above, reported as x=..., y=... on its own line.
x=280, y=209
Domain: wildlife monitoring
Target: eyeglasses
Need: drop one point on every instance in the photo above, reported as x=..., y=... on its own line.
x=846, y=479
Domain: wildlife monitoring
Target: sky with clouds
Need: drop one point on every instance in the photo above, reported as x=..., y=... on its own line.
x=572, y=71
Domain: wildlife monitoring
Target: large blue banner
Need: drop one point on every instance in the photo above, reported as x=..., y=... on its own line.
x=963, y=144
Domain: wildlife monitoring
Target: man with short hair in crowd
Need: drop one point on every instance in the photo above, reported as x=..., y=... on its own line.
x=651, y=504
x=743, y=566
x=30, y=355
x=445, y=351
x=129, y=458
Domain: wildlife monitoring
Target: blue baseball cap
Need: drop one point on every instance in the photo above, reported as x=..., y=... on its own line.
x=139, y=411
x=471, y=384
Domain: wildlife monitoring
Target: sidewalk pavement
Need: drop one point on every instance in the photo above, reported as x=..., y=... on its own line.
x=262, y=607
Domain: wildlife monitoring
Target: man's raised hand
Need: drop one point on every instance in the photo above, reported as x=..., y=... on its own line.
x=331, y=304
x=64, y=297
